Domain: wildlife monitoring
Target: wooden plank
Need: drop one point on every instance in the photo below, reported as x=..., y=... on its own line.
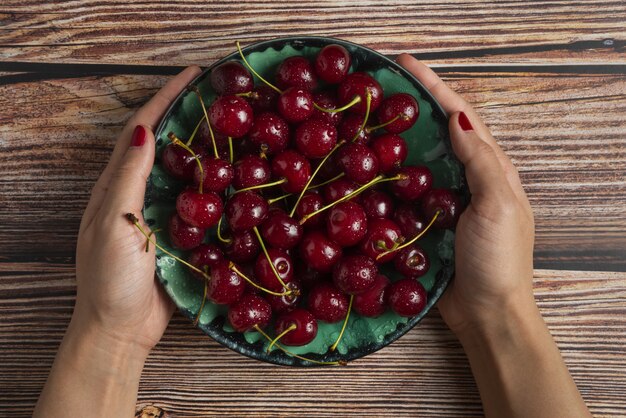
x=565, y=132
x=190, y=31
x=425, y=373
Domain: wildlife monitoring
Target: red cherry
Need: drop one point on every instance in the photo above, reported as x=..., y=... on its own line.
x=446, y=202
x=409, y=221
x=242, y=247
x=271, y=131
x=406, y=297
x=327, y=303
x=178, y=162
x=263, y=98
x=308, y=277
x=182, y=235
x=371, y=303
x=355, y=274
x=295, y=105
x=382, y=235
x=358, y=84
x=305, y=327
x=349, y=126
x=294, y=168
x=204, y=257
x=417, y=181
x=391, y=151
x=231, y=77
x=332, y=63
x=346, y=223
x=217, y=174
x=286, y=303
x=376, y=204
x=251, y=170
x=203, y=210
x=309, y=203
x=264, y=273
x=231, y=116
x=249, y=311
x=401, y=104
x=225, y=286
x=245, y=210
x=327, y=100
x=315, y=138
x=318, y=252
x=412, y=261
x=280, y=230
x=296, y=72
x=339, y=188
x=329, y=170
x=358, y=162
x=205, y=141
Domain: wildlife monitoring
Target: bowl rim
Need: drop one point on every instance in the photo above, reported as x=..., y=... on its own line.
x=238, y=343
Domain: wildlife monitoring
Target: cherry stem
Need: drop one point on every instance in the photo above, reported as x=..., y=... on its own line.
x=195, y=131
x=355, y=100
x=382, y=125
x=195, y=321
x=375, y=180
x=176, y=141
x=281, y=335
x=411, y=241
x=253, y=71
x=308, y=183
x=261, y=186
x=269, y=260
x=343, y=328
x=337, y=177
x=263, y=153
x=247, y=94
x=368, y=105
x=284, y=350
x=196, y=90
x=135, y=221
x=219, y=233
x=149, y=235
x=234, y=268
x=231, y=153
x=276, y=199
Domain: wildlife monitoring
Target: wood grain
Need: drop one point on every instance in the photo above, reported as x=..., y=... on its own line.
x=191, y=31
x=425, y=373
x=565, y=133
x=549, y=78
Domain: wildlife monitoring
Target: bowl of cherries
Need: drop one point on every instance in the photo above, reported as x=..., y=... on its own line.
x=303, y=201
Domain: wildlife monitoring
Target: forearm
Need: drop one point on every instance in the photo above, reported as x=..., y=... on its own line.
x=93, y=375
x=519, y=370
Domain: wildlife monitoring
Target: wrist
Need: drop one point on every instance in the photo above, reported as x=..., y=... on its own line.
x=517, y=318
x=102, y=355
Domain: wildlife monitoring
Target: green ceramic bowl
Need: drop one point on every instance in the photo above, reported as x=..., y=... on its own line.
x=428, y=143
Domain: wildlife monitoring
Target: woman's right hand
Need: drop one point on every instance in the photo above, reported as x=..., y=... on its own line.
x=495, y=233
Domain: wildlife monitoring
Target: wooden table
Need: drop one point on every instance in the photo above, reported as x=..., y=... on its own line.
x=548, y=77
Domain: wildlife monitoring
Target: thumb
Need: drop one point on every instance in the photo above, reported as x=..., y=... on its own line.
x=127, y=187
x=483, y=170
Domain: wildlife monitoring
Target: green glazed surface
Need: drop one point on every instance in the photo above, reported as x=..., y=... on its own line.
x=428, y=144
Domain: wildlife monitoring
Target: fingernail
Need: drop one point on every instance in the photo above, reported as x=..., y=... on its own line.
x=139, y=136
x=464, y=122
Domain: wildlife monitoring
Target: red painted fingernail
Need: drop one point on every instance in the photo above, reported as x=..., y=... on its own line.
x=139, y=136
x=464, y=122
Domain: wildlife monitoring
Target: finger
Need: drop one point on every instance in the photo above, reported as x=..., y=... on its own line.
x=149, y=115
x=450, y=100
x=127, y=185
x=453, y=103
x=483, y=170
x=509, y=170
